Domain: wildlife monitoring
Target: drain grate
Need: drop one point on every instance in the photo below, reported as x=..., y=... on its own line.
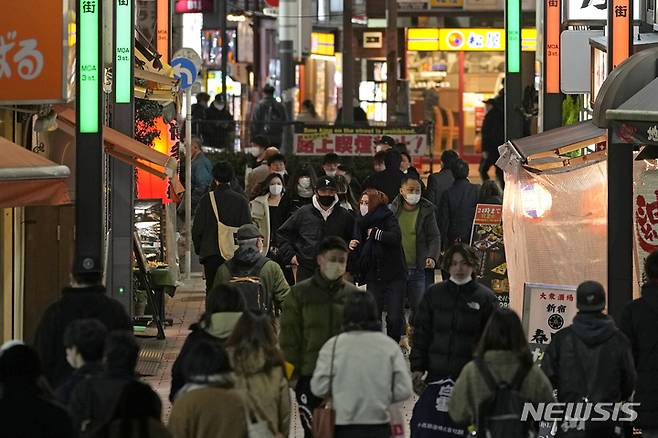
x=150, y=356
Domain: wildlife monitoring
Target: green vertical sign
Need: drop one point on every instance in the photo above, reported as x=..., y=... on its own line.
x=122, y=51
x=89, y=65
x=513, y=30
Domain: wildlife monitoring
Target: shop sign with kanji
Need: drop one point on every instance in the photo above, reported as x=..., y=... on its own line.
x=642, y=133
x=37, y=52
x=547, y=309
x=320, y=140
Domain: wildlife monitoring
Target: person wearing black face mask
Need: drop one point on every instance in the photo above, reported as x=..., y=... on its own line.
x=301, y=234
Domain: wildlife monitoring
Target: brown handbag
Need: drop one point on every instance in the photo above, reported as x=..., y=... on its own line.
x=324, y=416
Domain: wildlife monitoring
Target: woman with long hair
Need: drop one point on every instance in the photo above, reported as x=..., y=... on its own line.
x=258, y=367
x=224, y=307
x=346, y=197
x=377, y=257
x=208, y=405
x=504, y=354
x=369, y=372
x=300, y=188
x=269, y=213
x=308, y=113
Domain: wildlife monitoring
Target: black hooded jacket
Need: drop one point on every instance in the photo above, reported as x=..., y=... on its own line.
x=591, y=358
x=639, y=321
x=389, y=180
x=493, y=127
x=457, y=211
x=75, y=303
x=380, y=256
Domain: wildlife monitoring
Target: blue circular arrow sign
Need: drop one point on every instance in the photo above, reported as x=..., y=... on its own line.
x=185, y=71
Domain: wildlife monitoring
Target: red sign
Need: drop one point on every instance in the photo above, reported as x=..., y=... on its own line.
x=272, y=3
x=552, y=49
x=193, y=6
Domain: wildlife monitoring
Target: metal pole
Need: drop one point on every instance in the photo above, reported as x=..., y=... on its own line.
x=287, y=33
x=391, y=61
x=348, y=65
x=188, y=183
x=222, y=31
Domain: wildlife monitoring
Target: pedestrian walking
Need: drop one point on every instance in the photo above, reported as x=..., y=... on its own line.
x=346, y=197
x=208, y=406
x=277, y=164
x=450, y=319
x=27, y=407
x=490, y=193
x=94, y=401
x=219, y=125
x=269, y=212
x=439, y=182
x=639, y=321
x=502, y=359
x=259, y=279
x=258, y=174
x=457, y=207
x=259, y=369
x=384, y=144
x=361, y=395
x=137, y=414
x=199, y=113
x=311, y=315
x=201, y=172
x=493, y=136
x=592, y=361
x=360, y=118
x=330, y=164
x=268, y=118
x=308, y=113
x=348, y=173
x=377, y=251
x=224, y=307
x=86, y=298
x=255, y=152
x=378, y=164
x=301, y=234
x=84, y=340
x=421, y=240
x=219, y=215
x=388, y=180
x=300, y=189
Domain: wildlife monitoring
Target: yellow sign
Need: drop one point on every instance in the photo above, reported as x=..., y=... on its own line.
x=447, y=4
x=422, y=39
x=323, y=44
x=466, y=40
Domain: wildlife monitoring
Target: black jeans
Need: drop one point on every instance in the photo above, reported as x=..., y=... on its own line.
x=390, y=298
x=363, y=431
x=486, y=164
x=210, y=266
x=307, y=403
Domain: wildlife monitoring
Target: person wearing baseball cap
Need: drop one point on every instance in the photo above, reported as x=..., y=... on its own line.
x=248, y=260
x=589, y=360
x=384, y=143
x=300, y=236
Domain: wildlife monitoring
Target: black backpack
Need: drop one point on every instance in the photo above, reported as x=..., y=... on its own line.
x=248, y=283
x=499, y=416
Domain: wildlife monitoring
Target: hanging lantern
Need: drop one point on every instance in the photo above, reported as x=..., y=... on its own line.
x=536, y=201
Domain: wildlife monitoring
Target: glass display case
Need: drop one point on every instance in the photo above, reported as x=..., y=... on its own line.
x=150, y=225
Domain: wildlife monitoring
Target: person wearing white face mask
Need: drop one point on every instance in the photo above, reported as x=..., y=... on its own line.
x=442, y=349
x=421, y=240
x=377, y=255
x=269, y=212
x=313, y=313
x=219, y=124
x=330, y=164
x=277, y=164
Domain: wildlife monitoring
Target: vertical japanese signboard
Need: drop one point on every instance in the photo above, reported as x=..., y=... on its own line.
x=162, y=34
x=487, y=239
x=547, y=309
x=123, y=47
x=513, y=35
x=36, y=53
x=89, y=67
x=620, y=32
x=553, y=27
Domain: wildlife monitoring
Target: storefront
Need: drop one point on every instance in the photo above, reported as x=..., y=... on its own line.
x=451, y=73
x=319, y=77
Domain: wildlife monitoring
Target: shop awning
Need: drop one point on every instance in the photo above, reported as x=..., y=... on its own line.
x=30, y=179
x=544, y=151
x=125, y=148
x=642, y=107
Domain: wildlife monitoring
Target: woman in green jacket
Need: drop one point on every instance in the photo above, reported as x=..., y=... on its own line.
x=504, y=350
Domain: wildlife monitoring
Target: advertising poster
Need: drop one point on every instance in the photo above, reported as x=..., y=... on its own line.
x=646, y=217
x=320, y=140
x=487, y=239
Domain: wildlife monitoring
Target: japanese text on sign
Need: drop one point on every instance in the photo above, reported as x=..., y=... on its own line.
x=547, y=310
x=312, y=140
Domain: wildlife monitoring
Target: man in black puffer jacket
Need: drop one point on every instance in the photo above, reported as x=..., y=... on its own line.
x=639, y=322
x=590, y=359
x=450, y=319
x=457, y=207
x=300, y=236
x=388, y=181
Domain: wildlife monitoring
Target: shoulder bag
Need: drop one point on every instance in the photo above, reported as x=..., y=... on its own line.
x=324, y=416
x=225, y=234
